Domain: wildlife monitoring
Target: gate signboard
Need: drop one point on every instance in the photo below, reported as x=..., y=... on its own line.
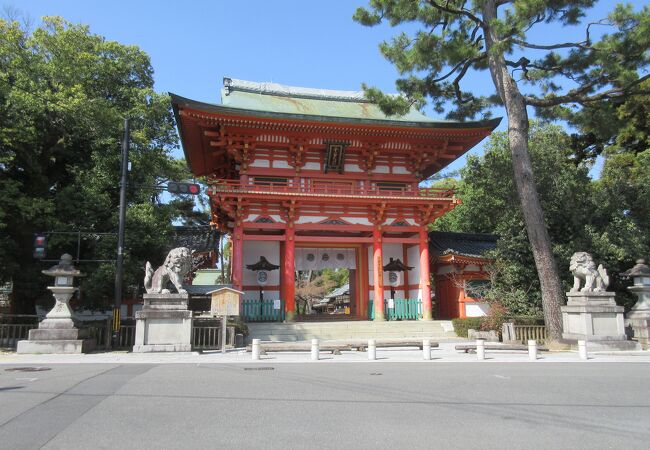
x=226, y=301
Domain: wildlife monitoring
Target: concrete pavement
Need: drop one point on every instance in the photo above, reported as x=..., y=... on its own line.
x=446, y=353
x=358, y=405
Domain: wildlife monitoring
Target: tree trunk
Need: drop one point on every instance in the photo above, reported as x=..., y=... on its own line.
x=552, y=295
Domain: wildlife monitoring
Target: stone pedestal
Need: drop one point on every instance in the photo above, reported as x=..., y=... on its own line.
x=57, y=333
x=164, y=324
x=594, y=317
x=638, y=319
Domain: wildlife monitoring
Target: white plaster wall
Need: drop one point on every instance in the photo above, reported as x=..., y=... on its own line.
x=260, y=163
x=311, y=219
x=413, y=256
x=277, y=218
x=352, y=168
x=400, y=170
x=312, y=166
x=381, y=169
x=442, y=270
x=252, y=252
x=476, y=309
x=281, y=164
x=389, y=251
x=357, y=220
x=251, y=217
x=472, y=268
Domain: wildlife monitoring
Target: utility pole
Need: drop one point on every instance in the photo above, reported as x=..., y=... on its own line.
x=119, y=272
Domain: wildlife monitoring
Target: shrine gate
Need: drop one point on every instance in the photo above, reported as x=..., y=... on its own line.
x=312, y=178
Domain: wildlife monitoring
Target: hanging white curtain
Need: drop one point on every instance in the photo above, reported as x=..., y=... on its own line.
x=325, y=258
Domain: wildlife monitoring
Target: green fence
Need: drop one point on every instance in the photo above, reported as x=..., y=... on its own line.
x=403, y=309
x=263, y=311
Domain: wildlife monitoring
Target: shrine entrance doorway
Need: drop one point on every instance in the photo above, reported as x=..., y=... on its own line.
x=327, y=283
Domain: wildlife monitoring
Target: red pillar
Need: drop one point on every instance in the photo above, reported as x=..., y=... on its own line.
x=288, y=276
x=237, y=257
x=378, y=273
x=425, y=286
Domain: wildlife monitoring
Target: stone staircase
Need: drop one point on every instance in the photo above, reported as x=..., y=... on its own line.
x=301, y=331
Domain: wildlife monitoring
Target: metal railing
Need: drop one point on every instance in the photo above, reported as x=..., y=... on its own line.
x=333, y=189
x=403, y=309
x=263, y=311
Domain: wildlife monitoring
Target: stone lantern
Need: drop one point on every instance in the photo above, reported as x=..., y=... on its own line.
x=639, y=316
x=57, y=333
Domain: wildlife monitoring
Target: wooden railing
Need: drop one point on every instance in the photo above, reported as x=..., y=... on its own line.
x=11, y=333
x=334, y=189
x=262, y=311
x=403, y=309
x=209, y=337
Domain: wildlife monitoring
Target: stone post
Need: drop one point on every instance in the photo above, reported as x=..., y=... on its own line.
x=532, y=350
x=372, y=349
x=255, y=350
x=426, y=349
x=480, y=349
x=582, y=350
x=314, y=350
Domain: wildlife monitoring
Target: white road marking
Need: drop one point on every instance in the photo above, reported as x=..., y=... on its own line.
x=503, y=377
x=26, y=379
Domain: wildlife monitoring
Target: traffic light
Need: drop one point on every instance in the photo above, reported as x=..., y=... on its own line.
x=183, y=188
x=39, y=246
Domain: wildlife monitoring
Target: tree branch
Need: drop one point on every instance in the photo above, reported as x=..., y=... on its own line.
x=461, y=12
x=578, y=95
x=583, y=44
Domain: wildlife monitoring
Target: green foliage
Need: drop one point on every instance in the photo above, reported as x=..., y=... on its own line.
x=438, y=43
x=608, y=217
x=63, y=95
x=461, y=326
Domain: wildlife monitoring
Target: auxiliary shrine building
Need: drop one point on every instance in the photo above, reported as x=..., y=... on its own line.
x=308, y=179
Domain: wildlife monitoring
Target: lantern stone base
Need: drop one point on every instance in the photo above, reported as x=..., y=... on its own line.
x=56, y=336
x=164, y=324
x=594, y=317
x=639, y=322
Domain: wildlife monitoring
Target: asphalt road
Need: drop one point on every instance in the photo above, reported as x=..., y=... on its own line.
x=311, y=405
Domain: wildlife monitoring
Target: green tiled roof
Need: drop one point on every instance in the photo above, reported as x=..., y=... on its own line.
x=277, y=98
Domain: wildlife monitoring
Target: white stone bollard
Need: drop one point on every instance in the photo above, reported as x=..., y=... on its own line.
x=372, y=349
x=426, y=349
x=480, y=349
x=255, y=350
x=582, y=350
x=532, y=350
x=314, y=350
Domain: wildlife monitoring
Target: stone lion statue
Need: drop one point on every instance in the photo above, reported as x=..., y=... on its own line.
x=583, y=268
x=177, y=264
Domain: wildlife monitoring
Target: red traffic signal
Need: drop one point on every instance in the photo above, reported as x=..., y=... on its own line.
x=183, y=188
x=40, y=241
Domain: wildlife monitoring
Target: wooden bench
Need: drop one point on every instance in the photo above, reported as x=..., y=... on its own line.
x=362, y=345
x=336, y=347
x=471, y=348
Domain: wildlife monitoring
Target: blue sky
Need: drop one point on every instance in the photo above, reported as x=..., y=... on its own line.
x=194, y=44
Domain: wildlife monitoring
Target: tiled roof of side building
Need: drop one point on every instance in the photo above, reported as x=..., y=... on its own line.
x=201, y=238
x=465, y=244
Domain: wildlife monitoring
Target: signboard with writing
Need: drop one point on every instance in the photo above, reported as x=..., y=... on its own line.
x=225, y=302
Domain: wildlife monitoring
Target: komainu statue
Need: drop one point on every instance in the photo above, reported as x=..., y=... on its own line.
x=583, y=268
x=177, y=264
